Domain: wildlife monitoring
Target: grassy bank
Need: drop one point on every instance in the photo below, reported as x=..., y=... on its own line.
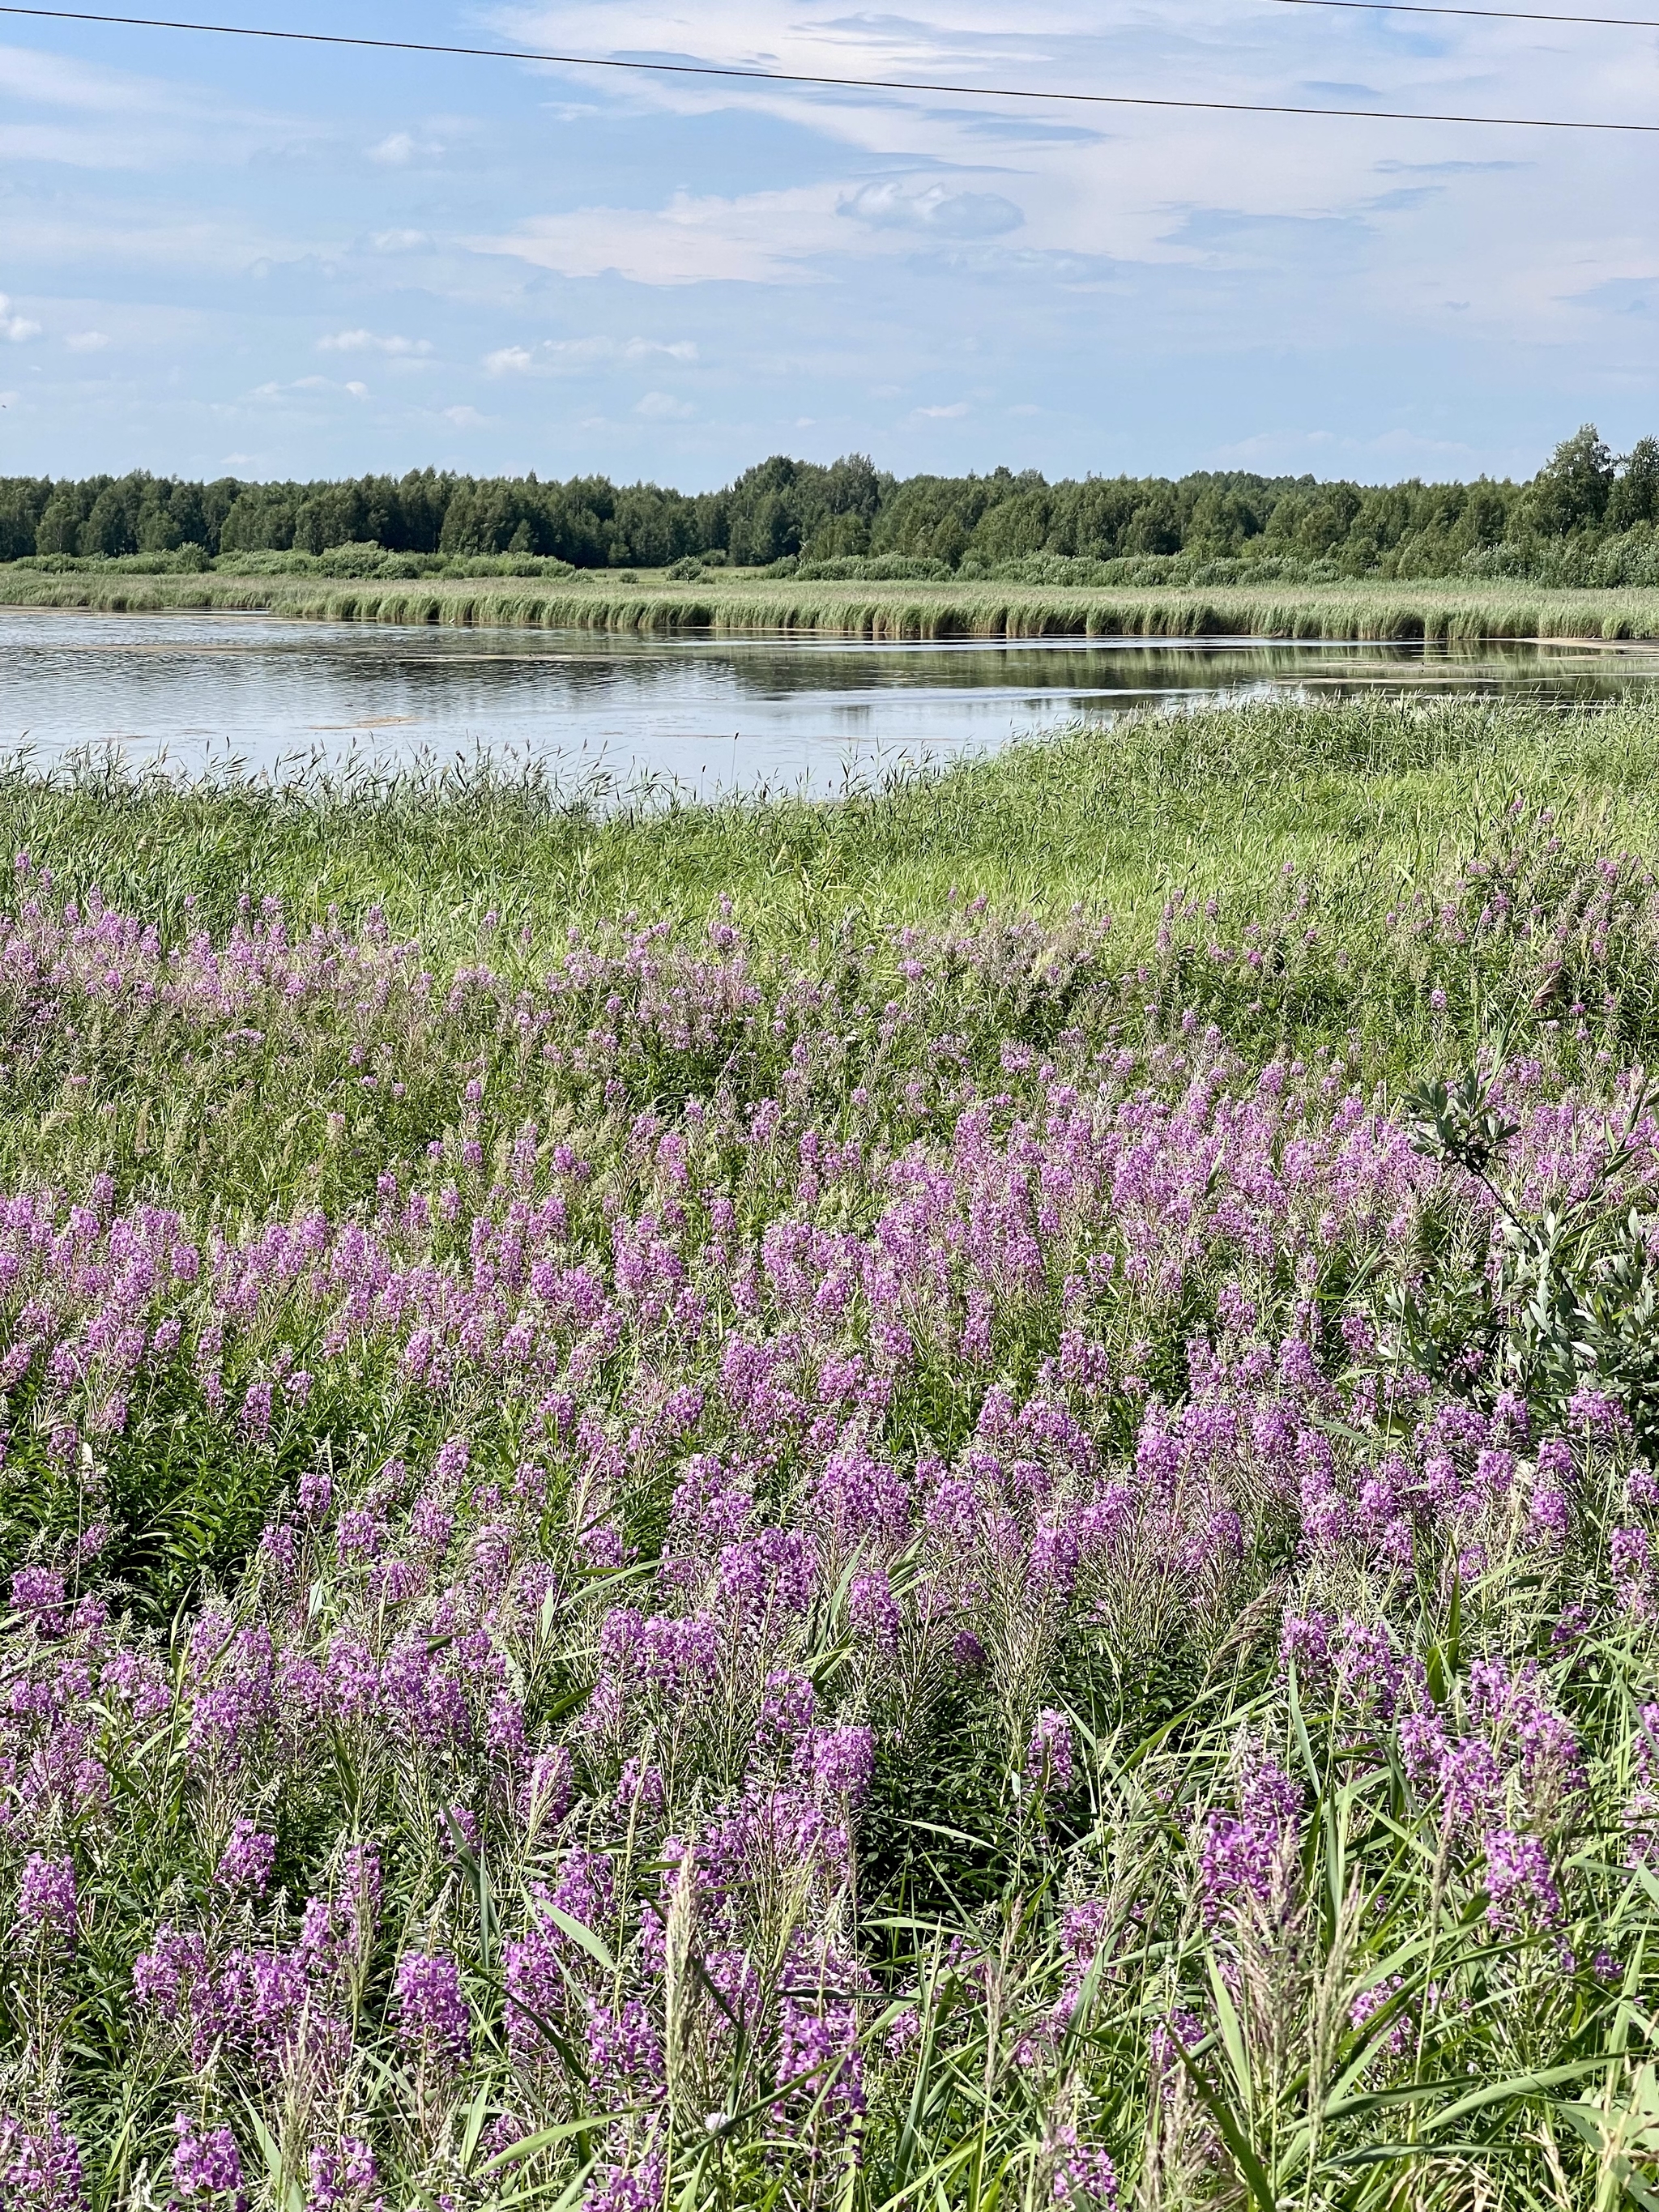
x=1343, y=813
x=601, y=600
x=834, y=1507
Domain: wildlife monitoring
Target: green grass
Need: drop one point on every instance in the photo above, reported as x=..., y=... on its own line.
x=1365, y=795
x=600, y=600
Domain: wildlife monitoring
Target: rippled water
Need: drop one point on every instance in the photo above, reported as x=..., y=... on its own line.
x=707, y=713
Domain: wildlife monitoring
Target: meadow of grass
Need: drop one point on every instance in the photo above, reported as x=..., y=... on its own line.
x=878, y=1503
x=1448, y=610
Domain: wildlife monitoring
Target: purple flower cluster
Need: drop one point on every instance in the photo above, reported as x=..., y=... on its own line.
x=1249, y=1858
x=207, y=2167
x=47, y=1897
x=432, y=2017
x=40, y=2168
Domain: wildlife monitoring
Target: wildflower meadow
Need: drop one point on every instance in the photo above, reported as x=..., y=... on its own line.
x=779, y=1507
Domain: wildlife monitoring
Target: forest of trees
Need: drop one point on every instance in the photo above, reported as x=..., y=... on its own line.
x=1587, y=516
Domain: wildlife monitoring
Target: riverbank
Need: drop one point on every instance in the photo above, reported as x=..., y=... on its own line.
x=1359, y=814
x=1447, y=612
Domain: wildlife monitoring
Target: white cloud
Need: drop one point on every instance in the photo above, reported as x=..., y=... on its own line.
x=368, y=342
x=764, y=238
x=400, y=242
x=401, y=149
x=274, y=390
x=554, y=354
x=87, y=341
x=16, y=328
x=934, y=210
x=951, y=413
x=465, y=418
x=664, y=407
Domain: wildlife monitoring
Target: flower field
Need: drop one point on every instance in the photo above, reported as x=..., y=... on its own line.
x=829, y=1545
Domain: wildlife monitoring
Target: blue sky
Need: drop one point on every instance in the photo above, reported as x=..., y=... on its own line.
x=225, y=256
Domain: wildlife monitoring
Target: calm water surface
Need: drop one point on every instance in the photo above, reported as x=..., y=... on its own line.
x=708, y=714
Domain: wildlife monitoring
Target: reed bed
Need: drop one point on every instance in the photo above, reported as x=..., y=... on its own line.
x=946, y=1501
x=1438, y=613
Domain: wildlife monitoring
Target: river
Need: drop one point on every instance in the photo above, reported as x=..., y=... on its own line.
x=702, y=714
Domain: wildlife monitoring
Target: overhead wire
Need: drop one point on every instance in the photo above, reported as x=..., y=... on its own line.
x=822, y=80
x=1480, y=15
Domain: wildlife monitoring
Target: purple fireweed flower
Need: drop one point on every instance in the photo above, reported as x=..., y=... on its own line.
x=1251, y=1857
x=842, y=1761
x=1049, y=1755
x=818, y=2050
x=255, y=1418
x=40, y=2170
x=207, y=2167
x=1519, y=1883
x=164, y=1975
x=1368, y=1671
x=1596, y=1411
x=1631, y=1559
x=46, y=1897
x=248, y=1859
x=1551, y=1514
x=1555, y=1463
x=1471, y=1784
x=625, y=2048
x=1397, y=2041
x=433, y=2018
x=1084, y=2177
x=344, y=2174
x=789, y=1703
x=640, y=1787
x=637, y=2186
x=458, y=1827
x=39, y=1593
x=1304, y=1640
x=316, y=1494
x=873, y=1610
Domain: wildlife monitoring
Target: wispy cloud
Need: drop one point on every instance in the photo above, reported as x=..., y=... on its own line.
x=933, y=210
x=552, y=356
x=371, y=342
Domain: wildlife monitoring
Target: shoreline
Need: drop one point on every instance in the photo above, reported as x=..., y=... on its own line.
x=1361, y=613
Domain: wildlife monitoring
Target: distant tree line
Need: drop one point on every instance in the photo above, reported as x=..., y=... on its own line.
x=1584, y=499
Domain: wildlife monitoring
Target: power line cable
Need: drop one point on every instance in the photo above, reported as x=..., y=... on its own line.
x=1480, y=14
x=801, y=78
